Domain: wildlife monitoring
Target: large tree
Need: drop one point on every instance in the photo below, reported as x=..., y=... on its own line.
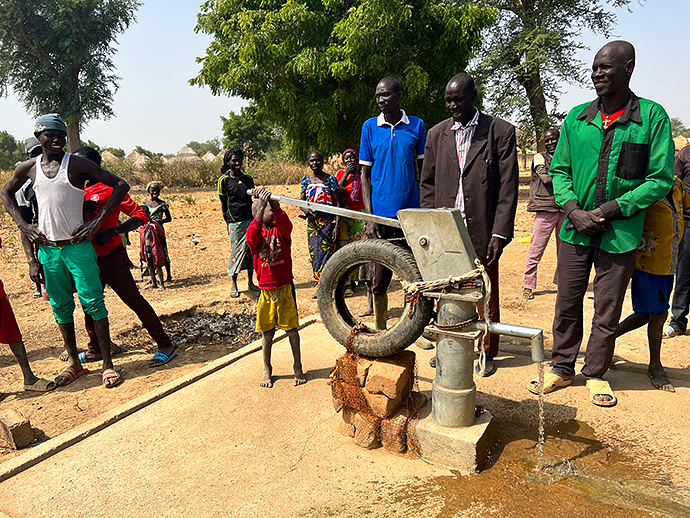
x=311, y=66
x=530, y=52
x=244, y=130
x=56, y=55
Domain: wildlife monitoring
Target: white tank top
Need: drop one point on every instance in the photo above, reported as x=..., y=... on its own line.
x=60, y=204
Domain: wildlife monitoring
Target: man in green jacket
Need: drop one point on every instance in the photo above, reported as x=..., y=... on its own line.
x=613, y=160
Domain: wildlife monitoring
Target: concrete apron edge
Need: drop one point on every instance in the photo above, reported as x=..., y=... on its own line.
x=618, y=364
x=63, y=441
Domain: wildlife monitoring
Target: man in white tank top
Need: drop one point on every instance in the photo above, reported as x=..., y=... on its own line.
x=66, y=256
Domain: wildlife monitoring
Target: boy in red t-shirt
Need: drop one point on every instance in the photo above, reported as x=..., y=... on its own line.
x=268, y=237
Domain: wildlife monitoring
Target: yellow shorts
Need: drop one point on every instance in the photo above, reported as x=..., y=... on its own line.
x=277, y=307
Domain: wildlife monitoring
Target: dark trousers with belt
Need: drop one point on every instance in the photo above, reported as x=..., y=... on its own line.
x=115, y=273
x=612, y=275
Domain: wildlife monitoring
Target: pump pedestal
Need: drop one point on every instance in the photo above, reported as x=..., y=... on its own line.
x=462, y=448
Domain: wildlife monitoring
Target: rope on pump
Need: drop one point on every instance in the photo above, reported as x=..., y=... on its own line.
x=477, y=278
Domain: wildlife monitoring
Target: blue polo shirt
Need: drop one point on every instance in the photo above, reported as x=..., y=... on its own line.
x=391, y=151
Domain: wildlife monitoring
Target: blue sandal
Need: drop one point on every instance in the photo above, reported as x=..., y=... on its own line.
x=161, y=358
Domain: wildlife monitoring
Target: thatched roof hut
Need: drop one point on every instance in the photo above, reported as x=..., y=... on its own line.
x=109, y=158
x=140, y=164
x=680, y=142
x=186, y=154
x=208, y=157
x=133, y=157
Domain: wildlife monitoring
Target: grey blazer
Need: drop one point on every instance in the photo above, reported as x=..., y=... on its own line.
x=489, y=181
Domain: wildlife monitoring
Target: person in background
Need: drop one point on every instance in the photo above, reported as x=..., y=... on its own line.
x=322, y=228
x=160, y=211
x=152, y=250
x=237, y=212
x=351, y=230
x=391, y=145
x=681, y=292
x=114, y=267
x=548, y=216
x=652, y=280
x=26, y=197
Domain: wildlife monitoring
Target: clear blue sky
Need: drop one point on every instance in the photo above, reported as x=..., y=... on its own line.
x=158, y=110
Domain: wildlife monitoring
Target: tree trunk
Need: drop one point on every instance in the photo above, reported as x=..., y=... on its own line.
x=73, y=137
x=537, y=106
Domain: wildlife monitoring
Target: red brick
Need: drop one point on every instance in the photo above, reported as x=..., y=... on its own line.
x=347, y=430
x=16, y=429
x=380, y=405
x=366, y=431
x=363, y=365
x=337, y=404
x=394, y=429
x=394, y=432
x=392, y=375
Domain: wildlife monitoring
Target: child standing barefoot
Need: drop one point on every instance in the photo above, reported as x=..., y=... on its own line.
x=268, y=237
x=160, y=211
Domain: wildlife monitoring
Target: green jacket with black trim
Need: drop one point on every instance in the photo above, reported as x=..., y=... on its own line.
x=622, y=170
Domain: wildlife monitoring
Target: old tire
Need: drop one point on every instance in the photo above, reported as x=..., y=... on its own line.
x=337, y=317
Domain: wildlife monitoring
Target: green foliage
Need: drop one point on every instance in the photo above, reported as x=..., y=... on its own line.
x=678, y=128
x=57, y=56
x=246, y=131
x=189, y=200
x=213, y=145
x=530, y=52
x=11, y=151
x=311, y=67
x=146, y=152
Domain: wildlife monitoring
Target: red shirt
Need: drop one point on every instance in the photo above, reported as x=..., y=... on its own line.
x=607, y=120
x=100, y=193
x=270, y=247
x=352, y=205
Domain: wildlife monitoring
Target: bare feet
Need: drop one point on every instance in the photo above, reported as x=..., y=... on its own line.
x=267, y=380
x=367, y=313
x=300, y=378
x=659, y=379
x=253, y=287
x=234, y=293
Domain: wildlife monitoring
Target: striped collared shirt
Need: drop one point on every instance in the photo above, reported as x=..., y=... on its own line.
x=463, y=139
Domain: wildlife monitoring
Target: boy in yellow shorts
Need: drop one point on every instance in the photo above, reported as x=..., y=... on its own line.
x=268, y=237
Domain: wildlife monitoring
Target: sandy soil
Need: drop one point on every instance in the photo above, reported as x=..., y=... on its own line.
x=198, y=244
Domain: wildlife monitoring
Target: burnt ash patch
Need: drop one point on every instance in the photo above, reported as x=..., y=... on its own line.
x=203, y=326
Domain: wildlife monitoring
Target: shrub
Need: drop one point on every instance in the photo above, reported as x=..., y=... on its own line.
x=275, y=169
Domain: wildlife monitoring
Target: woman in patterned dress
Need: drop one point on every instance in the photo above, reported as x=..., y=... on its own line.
x=322, y=228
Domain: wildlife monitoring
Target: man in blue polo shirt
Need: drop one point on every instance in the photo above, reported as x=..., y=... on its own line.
x=389, y=146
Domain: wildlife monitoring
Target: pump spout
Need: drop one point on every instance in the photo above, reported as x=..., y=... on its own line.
x=535, y=335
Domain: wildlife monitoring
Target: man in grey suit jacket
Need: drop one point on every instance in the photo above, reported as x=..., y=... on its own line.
x=470, y=163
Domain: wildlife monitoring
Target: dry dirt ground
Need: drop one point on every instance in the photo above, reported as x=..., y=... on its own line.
x=199, y=246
